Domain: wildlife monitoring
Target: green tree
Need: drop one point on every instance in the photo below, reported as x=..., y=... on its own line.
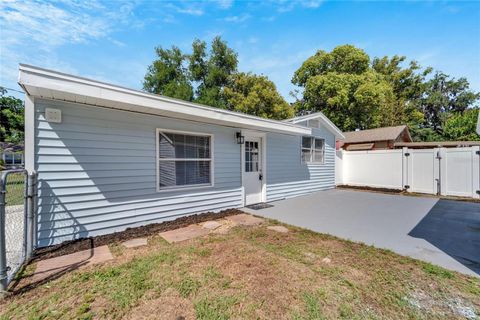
x=443, y=96
x=356, y=93
x=343, y=85
x=256, y=95
x=421, y=133
x=461, y=126
x=168, y=75
x=343, y=59
x=11, y=118
x=212, y=71
x=408, y=84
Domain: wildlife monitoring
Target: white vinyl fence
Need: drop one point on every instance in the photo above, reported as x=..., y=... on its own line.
x=445, y=171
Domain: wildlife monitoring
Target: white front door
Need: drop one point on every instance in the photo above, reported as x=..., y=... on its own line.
x=252, y=170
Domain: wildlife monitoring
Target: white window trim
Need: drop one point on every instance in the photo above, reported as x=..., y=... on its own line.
x=187, y=187
x=312, y=150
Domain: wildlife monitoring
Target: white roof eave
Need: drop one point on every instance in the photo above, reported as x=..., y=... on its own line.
x=39, y=82
x=323, y=118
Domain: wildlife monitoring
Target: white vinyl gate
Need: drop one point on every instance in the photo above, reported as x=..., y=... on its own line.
x=460, y=172
x=422, y=166
x=445, y=171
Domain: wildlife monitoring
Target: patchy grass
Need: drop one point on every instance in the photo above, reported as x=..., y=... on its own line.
x=437, y=271
x=15, y=190
x=252, y=273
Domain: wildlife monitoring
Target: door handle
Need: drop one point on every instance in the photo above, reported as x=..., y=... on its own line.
x=260, y=176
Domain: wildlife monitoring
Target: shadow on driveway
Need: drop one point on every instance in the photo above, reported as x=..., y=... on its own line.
x=453, y=227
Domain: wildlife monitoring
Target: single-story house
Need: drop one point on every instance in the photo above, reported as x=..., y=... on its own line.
x=375, y=139
x=11, y=155
x=109, y=157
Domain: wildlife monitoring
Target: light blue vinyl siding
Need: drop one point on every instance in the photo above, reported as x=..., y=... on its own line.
x=287, y=176
x=97, y=172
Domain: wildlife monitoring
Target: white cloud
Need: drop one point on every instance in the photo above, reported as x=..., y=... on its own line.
x=237, y=19
x=289, y=5
x=225, y=4
x=311, y=3
x=32, y=30
x=191, y=11
x=277, y=66
x=185, y=7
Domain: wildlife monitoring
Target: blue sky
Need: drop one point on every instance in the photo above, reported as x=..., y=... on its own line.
x=114, y=41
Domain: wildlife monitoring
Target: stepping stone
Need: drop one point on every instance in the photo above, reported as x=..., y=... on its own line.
x=186, y=233
x=245, y=219
x=211, y=225
x=59, y=265
x=133, y=243
x=280, y=229
x=225, y=226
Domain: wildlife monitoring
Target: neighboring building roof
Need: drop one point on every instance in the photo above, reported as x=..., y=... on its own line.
x=378, y=134
x=323, y=119
x=44, y=83
x=437, y=144
x=360, y=146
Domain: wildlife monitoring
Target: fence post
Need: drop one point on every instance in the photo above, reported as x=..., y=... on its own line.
x=30, y=215
x=442, y=171
x=405, y=155
x=476, y=172
x=3, y=247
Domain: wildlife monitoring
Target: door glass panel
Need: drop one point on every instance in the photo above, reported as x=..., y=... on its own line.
x=251, y=156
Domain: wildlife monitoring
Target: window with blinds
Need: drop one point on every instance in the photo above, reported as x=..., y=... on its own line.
x=183, y=159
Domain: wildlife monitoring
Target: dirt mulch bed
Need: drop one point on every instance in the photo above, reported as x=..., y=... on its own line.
x=68, y=247
x=405, y=193
x=382, y=190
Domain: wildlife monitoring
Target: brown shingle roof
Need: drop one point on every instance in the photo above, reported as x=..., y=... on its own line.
x=371, y=135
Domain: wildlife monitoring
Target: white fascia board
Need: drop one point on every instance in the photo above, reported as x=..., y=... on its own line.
x=323, y=118
x=37, y=81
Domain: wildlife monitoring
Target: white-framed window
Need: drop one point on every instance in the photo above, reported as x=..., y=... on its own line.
x=313, y=150
x=184, y=159
x=12, y=158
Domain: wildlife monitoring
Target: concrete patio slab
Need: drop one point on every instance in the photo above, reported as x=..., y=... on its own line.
x=394, y=222
x=134, y=243
x=245, y=219
x=59, y=265
x=186, y=233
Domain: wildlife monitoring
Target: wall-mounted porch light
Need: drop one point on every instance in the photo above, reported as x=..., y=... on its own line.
x=240, y=139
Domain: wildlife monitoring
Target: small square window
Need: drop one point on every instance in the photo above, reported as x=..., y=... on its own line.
x=313, y=150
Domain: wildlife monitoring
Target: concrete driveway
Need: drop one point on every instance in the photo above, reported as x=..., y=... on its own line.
x=443, y=232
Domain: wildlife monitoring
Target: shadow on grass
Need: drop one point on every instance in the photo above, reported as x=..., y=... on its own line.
x=16, y=286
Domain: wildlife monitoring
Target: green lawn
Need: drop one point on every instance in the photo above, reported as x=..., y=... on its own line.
x=15, y=189
x=252, y=273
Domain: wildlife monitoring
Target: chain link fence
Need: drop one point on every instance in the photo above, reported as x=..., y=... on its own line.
x=15, y=210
